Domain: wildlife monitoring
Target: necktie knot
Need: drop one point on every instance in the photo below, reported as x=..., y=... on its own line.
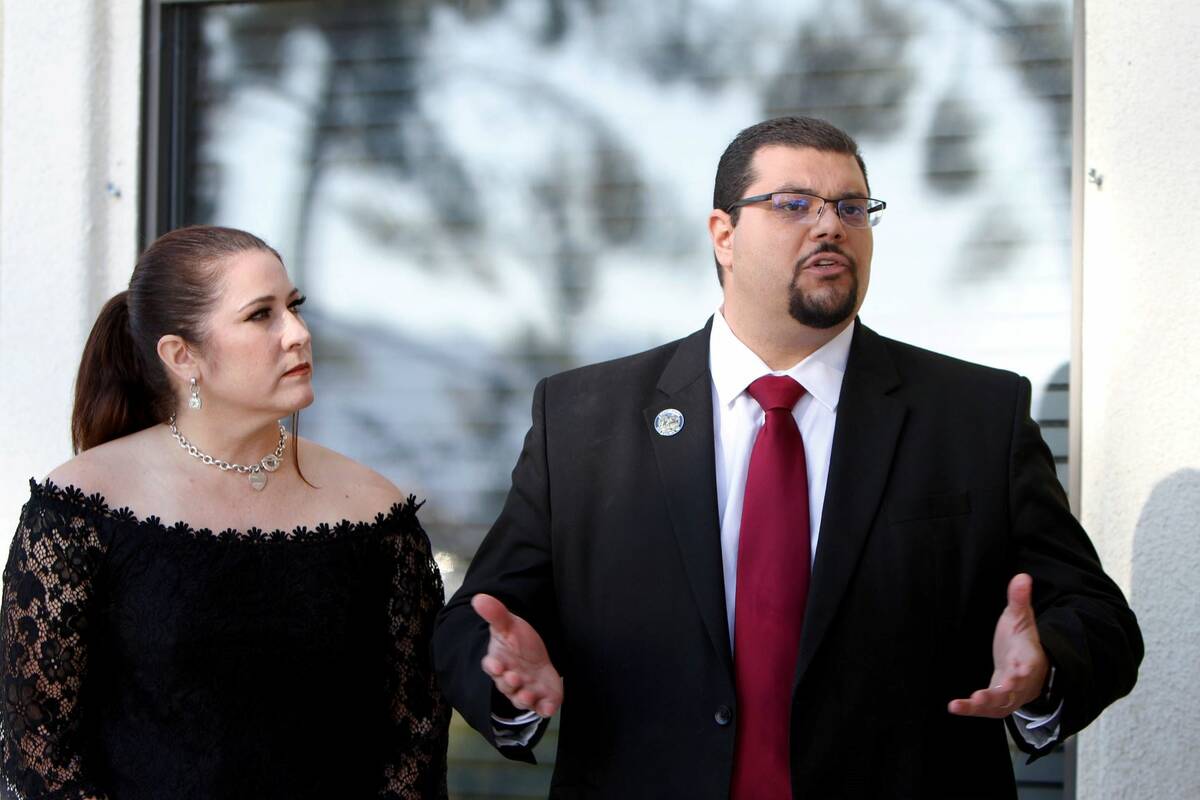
x=775, y=392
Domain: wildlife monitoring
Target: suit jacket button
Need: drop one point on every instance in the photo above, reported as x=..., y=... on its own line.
x=724, y=715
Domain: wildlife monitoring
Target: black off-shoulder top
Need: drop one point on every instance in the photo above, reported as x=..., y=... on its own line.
x=144, y=660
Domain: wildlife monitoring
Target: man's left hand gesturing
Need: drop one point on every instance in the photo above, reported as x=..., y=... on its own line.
x=1020, y=663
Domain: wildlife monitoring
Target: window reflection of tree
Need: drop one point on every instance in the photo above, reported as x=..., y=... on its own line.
x=854, y=63
x=858, y=64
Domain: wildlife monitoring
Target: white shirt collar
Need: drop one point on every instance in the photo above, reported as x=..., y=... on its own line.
x=735, y=366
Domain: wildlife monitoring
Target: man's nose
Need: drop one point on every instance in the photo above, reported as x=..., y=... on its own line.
x=829, y=224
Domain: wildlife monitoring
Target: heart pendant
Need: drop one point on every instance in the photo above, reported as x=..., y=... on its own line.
x=258, y=480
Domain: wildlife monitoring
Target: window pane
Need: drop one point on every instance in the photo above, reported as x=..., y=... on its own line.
x=477, y=193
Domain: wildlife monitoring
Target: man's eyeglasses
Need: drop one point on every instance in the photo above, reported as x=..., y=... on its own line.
x=855, y=212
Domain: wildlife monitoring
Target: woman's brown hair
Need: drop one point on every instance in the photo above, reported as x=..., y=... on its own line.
x=122, y=386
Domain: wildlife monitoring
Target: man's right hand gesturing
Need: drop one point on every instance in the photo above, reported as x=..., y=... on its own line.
x=517, y=660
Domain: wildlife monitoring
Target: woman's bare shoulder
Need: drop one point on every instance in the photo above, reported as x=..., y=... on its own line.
x=359, y=491
x=109, y=469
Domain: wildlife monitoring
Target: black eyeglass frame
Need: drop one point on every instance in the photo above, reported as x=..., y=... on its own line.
x=874, y=205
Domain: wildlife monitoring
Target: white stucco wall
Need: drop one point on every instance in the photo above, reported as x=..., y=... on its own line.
x=70, y=77
x=1140, y=443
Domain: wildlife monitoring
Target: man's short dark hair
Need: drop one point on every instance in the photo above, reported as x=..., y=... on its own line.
x=734, y=173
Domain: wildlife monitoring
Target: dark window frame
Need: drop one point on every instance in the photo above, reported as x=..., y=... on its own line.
x=168, y=43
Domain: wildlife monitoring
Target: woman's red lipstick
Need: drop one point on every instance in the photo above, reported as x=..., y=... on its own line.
x=299, y=369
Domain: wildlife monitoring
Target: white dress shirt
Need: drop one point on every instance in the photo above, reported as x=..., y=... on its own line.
x=737, y=418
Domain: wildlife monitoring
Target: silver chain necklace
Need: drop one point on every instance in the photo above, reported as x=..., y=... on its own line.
x=257, y=472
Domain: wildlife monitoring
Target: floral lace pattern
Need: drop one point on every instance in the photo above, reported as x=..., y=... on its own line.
x=57, y=603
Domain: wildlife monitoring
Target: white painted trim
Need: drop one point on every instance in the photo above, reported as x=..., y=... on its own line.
x=1078, y=99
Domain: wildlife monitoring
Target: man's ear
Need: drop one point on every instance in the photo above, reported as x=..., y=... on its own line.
x=178, y=358
x=720, y=230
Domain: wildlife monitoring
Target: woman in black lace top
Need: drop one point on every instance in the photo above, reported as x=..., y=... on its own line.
x=191, y=609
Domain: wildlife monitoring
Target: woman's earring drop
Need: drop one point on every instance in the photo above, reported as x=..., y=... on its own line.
x=194, y=402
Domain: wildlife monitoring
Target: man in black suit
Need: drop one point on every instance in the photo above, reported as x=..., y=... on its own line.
x=786, y=556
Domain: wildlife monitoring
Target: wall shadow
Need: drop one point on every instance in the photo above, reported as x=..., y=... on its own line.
x=1164, y=594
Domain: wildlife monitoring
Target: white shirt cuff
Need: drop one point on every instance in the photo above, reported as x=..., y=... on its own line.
x=515, y=732
x=1039, y=730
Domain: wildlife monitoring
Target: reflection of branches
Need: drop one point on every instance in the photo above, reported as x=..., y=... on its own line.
x=605, y=210
x=364, y=115
x=1036, y=39
x=1037, y=36
x=366, y=110
x=312, y=177
x=359, y=107
x=865, y=93
x=366, y=118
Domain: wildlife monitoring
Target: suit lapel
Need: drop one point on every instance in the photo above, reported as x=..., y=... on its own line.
x=685, y=466
x=864, y=440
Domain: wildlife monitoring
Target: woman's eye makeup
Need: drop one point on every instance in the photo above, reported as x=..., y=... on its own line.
x=264, y=313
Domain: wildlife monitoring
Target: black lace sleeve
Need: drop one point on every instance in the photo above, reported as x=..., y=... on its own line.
x=420, y=715
x=43, y=657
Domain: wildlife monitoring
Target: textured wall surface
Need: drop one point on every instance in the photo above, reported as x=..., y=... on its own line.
x=69, y=116
x=1140, y=378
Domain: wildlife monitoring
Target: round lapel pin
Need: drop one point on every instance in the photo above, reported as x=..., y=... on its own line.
x=668, y=422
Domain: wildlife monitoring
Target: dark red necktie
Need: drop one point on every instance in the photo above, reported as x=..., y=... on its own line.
x=772, y=589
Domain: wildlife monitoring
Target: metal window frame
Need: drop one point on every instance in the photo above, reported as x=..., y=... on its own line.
x=168, y=29
x=161, y=79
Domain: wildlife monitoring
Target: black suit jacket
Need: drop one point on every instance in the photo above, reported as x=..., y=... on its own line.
x=940, y=490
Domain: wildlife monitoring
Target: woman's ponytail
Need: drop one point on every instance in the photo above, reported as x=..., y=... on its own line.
x=112, y=398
